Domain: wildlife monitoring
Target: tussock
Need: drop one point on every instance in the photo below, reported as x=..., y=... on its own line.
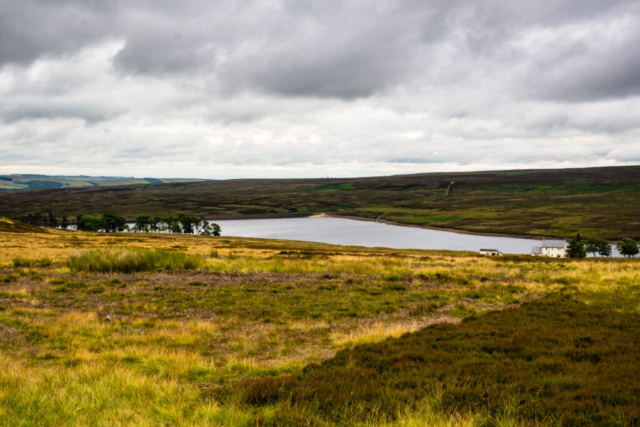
x=131, y=260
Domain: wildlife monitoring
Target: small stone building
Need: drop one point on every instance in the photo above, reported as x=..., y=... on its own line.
x=491, y=252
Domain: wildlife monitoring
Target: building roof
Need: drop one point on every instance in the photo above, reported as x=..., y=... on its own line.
x=554, y=244
x=536, y=250
x=489, y=250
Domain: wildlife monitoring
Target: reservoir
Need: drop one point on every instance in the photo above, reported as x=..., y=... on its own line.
x=350, y=232
x=339, y=231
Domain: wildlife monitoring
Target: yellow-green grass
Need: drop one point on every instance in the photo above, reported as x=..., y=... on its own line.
x=126, y=260
x=152, y=347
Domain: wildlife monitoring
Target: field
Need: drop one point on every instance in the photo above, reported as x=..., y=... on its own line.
x=135, y=329
x=601, y=202
x=36, y=182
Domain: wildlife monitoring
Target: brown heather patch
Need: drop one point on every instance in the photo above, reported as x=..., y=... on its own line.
x=553, y=361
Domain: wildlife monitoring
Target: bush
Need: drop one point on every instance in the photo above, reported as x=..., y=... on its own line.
x=131, y=260
x=23, y=262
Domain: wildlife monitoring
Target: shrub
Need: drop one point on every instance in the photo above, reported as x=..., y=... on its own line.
x=395, y=287
x=131, y=260
x=8, y=278
x=23, y=262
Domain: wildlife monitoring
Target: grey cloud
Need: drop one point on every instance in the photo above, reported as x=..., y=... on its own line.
x=580, y=72
x=396, y=86
x=330, y=48
x=31, y=29
x=90, y=115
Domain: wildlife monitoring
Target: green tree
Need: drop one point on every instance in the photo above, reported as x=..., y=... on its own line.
x=189, y=223
x=153, y=224
x=210, y=229
x=65, y=222
x=89, y=223
x=52, y=220
x=174, y=226
x=604, y=249
x=142, y=223
x=598, y=246
x=216, y=231
x=627, y=247
x=576, y=248
x=112, y=223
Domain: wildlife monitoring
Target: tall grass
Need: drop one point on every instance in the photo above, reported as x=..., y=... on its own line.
x=20, y=262
x=130, y=260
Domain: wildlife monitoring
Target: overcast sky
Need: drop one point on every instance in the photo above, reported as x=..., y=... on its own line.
x=294, y=88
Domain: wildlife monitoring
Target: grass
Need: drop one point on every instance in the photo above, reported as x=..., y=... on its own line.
x=130, y=260
x=599, y=202
x=20, y=262
x=180, y=346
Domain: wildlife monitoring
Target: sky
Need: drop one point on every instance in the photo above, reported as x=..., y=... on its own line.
x=325, y=88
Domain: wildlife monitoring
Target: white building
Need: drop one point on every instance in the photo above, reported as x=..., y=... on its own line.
x=491, y=252
x=552, y=248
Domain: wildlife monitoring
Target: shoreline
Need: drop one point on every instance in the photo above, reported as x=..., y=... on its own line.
x=356, y=218
x=448, y=230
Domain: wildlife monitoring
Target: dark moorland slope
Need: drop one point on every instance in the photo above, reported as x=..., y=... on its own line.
x=593, y=201
x=555, y=361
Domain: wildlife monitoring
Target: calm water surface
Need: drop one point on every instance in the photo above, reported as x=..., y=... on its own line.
x=340, y=231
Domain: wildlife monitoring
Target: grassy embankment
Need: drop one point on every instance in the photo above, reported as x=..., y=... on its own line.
x=229, y=331
x=600, y=202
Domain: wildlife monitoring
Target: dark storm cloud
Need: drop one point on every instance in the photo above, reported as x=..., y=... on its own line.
x=333, y=48
x=31, y=29
x=577, y=71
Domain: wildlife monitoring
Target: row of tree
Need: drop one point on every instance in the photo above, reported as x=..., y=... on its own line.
x=44, y=220
x=186, y=224
x=109, y=223
x=577, y=248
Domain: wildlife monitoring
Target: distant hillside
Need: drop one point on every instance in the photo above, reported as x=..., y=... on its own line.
x=34, y=182
x=593, y=201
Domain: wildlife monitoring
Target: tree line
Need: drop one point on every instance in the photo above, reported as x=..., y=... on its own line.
x=44, y=220
x=109, y=223
x=185, y=224
x=578, y=248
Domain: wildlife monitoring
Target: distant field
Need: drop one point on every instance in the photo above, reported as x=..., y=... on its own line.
x=161, y=329
x=594, y=201
x=31, y=182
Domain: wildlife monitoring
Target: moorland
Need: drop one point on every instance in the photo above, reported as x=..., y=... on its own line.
x=155, y=329
x=596, y=202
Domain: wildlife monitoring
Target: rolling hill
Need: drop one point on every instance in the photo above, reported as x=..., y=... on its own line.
x=593, y=201
x=36, y=182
